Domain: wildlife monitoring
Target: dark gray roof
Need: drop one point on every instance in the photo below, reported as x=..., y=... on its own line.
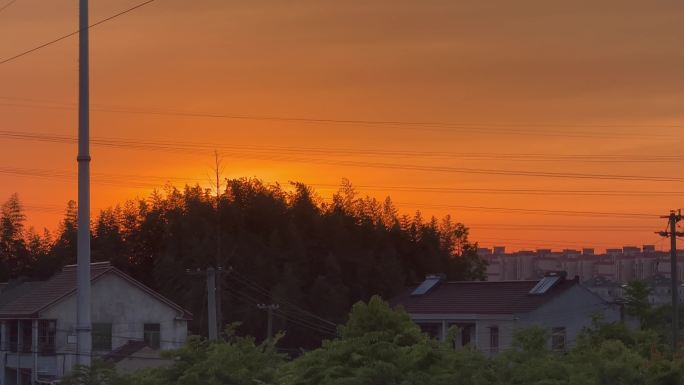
x=30, y=298
x=496, y=297
x=12, y=292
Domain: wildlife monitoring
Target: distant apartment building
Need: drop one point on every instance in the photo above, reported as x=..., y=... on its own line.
x=605, y=273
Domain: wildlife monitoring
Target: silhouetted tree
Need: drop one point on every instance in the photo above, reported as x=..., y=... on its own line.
x=281, y=246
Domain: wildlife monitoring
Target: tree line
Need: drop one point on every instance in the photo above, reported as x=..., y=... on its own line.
x=276, y=244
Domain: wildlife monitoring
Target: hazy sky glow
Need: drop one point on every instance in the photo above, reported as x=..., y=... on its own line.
x=556, y=79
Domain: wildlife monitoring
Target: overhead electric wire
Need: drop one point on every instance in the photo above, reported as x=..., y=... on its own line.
x=440, y=169
x=259, y=289
x=51, y=42
x=246, y=281
x=253, y=301
x=444, y=127
x=601, y=214
x=420, y=189
x=2, y=8
x=203, y=147
x=561, y=227
x=57, y=174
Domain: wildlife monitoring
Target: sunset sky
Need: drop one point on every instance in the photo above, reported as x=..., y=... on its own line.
x=482, y=94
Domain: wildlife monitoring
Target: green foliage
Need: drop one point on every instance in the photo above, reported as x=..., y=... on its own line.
x=382, y=346
x=234, y=361
x=637, y=303
x=379, y=345
x=98, y=373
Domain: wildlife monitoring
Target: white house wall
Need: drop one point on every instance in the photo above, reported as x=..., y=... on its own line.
x=126, y=307
x=572, y=309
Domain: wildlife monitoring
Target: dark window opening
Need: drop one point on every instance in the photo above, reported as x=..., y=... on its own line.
x=152, y=335
x=466, y=334
x=494, y=339
x=102, y=336
x=558, y=339
x=434, y=330
x=47, y=330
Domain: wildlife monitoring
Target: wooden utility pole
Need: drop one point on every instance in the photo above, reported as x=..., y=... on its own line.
x=673, y=219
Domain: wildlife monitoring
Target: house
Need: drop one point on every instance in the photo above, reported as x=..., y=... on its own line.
x=38, y=320
x=487, y=313
x=605, y=288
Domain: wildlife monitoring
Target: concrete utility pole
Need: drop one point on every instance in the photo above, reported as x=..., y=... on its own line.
x=269, y=326
x=673, y=218
x=211, y=299
x=83, y=324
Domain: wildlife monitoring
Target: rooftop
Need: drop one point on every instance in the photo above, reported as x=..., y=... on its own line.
x=496, y=297
x=27, y=299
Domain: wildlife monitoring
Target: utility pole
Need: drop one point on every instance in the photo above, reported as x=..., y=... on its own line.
x=673, y=219
x=269, y=310
x=219, y=267
x=211, y=299
x=83, y=323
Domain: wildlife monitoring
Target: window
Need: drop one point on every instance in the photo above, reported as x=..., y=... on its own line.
x=46, y=336
x=434, y=330
x=558, y=339
x=152, y=335
x=465, y=336
x=102, y=336
x=493, y=339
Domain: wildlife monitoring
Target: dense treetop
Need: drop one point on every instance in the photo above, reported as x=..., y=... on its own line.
x=283, y=245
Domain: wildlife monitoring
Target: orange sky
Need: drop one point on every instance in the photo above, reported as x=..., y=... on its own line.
x=501, y=77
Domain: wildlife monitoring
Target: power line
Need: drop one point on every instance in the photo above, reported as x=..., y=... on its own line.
x=112, y=179
x=443, y=127
x=253, y=301
x=51, y=42
x=7, y=5
x=440, y=169
x=244, y=280
x=601, y=214
x=203, y=148
x=612, y=193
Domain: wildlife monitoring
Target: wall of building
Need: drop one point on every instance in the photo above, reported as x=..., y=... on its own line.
x=126, y=307
x=618, y=265
x=506, y=329
x=481, y=333
x=573, y=309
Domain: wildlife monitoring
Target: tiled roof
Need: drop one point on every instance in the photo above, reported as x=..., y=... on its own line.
x=12, y=292
x=490, y=297
x=36, y=296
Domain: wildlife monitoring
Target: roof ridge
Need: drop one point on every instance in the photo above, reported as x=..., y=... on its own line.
x=503, y=281
x=92, y=264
